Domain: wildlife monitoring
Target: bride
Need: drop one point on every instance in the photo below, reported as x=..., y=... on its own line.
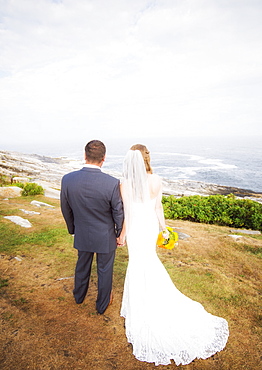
x=161, y=323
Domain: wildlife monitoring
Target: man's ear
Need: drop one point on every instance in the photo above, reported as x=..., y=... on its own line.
x=101, y=164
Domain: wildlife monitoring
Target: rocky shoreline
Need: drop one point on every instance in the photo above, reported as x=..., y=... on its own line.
x=48, y=171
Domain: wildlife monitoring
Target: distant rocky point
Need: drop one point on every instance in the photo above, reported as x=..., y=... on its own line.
x=48, y=171
x=19, y=166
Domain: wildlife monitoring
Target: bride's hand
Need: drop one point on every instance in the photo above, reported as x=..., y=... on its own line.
x=165, y=233
x=120, y=241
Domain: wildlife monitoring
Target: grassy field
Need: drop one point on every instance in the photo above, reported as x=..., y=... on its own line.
x=42, y=327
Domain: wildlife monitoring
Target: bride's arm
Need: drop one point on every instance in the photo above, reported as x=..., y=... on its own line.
x=160, y=212
x=157, y=186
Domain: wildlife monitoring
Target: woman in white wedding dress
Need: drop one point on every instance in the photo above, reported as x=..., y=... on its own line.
x=161, y=323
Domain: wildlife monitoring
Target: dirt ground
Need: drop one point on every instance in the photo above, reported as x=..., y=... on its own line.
x=53, y=333
x=43, y=328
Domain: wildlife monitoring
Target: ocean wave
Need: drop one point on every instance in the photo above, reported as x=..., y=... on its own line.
x=216, y=163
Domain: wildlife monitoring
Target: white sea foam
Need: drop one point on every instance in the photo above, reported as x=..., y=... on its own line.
x=195, y=158
x=216, y=163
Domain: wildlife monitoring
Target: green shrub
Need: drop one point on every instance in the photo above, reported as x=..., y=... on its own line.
x=215, y=209
x=32, y=189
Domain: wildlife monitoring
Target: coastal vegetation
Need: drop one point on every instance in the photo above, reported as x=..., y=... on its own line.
x=31, y=188
x=38, y=310
x=215, y=209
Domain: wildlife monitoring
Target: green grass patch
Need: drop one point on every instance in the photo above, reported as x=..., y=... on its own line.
x=120, y=266
x=7, y=316
x=257, y=251
x=4, y=180
x=12, y=238
x=50, y=246
x=3, y=282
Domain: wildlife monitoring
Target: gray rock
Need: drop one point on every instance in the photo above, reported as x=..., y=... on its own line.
x=244, y=231
x=235, y=237
x=30, y=212
x=23, y=180
x=182, y=236
x=40, y=204
x=52, y=193
x=19, y=221
x=19, y=259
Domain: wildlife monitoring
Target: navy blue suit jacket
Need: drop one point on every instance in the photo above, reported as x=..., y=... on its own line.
x=92, y=208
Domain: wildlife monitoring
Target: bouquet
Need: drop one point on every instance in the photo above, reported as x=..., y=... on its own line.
x=167, y=238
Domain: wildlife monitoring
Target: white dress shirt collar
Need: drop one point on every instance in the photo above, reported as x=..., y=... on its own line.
x=89, y=165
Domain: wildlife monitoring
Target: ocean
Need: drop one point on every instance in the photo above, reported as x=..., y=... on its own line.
x=235, y=162
x=228, y=161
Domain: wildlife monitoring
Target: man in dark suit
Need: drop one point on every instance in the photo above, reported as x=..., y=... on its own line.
x=92, y=208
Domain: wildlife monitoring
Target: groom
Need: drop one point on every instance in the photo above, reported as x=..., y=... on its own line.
x=92, y=208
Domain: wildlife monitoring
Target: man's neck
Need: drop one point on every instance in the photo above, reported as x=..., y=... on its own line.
x=92, y=165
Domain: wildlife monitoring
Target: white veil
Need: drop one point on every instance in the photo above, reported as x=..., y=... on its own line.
x=135, y=182
x=135, y=176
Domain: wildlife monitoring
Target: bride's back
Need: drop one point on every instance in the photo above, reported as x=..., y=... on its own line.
x=155, y=185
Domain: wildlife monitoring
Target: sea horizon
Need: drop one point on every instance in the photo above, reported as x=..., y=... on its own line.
x=225, y=161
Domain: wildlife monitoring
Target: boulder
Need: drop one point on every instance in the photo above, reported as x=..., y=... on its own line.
x=23, y=180
x=10, y=191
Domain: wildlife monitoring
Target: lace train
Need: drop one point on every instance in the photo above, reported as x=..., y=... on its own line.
x=151, y=352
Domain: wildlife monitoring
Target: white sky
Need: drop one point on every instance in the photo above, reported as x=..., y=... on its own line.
x=98, y=68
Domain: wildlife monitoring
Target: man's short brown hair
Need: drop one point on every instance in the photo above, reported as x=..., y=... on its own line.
x=95, y=151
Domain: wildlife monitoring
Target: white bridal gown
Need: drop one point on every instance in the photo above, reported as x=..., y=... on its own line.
x=161, y=322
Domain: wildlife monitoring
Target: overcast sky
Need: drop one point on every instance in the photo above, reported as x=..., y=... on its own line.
x=101, y=68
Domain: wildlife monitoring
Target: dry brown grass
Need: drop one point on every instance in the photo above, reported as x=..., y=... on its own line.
x=43, y=328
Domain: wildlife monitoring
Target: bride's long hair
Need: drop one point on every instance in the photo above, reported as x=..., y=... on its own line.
x=146, y=155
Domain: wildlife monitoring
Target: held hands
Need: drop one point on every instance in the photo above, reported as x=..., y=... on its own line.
x=120, y=241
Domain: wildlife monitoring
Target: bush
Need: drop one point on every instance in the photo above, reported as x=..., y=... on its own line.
x=32, y=189
x=215, y=209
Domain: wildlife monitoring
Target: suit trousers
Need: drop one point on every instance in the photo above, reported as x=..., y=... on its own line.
x=105, y=264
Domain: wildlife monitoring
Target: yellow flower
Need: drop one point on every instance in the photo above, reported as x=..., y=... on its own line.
x=169, y=242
